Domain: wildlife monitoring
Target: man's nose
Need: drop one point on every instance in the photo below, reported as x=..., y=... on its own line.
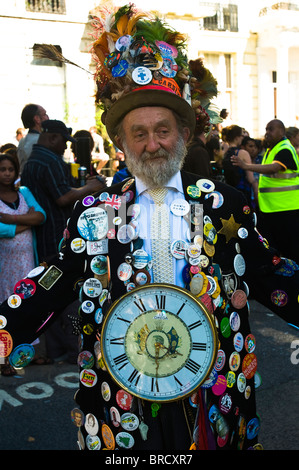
x=152, y=144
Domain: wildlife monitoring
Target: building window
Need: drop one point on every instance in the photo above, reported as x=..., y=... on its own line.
x=46, y=6
x=39, y=57
x=225, y=19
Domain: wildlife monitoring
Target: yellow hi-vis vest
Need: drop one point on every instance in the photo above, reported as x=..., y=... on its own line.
x=280, y=191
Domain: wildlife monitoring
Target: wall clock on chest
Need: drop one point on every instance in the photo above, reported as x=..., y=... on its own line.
x=159, y=342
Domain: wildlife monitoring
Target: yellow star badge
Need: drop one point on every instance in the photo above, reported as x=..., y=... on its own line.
x=229, y=228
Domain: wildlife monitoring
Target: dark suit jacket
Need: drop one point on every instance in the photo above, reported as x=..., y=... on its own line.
x=264, y=277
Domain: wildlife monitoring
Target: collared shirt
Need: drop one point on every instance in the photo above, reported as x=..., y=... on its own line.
x=179, y=228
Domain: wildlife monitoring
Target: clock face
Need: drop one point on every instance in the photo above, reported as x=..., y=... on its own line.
x=159, y=342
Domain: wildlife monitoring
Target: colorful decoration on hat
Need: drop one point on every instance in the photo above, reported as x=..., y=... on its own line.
x=134, y=49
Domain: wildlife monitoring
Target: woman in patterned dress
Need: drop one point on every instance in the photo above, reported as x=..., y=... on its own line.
x=19, y=212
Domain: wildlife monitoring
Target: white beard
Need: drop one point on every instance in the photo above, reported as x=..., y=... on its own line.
x=156, y=173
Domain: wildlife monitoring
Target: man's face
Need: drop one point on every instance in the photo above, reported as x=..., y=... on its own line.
x=274, y=133
x=153, y=146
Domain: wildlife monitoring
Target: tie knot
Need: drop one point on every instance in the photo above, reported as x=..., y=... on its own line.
x=158, y=195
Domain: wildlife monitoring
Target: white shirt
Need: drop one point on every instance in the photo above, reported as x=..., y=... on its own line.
x=179, y=227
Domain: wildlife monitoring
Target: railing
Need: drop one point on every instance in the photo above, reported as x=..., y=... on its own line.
x=279, y=6
x=46, y=6
x=224, y=19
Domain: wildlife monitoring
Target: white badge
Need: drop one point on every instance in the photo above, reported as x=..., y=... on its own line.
x=179, y=207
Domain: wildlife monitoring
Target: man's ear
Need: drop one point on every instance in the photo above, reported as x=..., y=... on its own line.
x=186, y=134
x=119, y=143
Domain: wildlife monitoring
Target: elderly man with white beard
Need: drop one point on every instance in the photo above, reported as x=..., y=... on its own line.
x=163, y=264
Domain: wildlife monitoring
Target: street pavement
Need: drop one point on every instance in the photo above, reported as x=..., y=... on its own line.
x=36, y=403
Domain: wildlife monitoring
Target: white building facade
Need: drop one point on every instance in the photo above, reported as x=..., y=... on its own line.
x=251, y=48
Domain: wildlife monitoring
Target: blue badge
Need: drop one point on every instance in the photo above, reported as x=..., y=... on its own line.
x=22, y=355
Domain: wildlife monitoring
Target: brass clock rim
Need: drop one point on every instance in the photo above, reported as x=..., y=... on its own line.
x=211, y=322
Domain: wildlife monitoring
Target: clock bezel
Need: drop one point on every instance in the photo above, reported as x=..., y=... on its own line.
x=212, y=327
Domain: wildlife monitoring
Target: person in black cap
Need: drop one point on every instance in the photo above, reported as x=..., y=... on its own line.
x=150, y=297
x=50, y=180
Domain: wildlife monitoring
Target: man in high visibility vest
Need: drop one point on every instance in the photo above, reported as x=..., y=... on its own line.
x=278, y=192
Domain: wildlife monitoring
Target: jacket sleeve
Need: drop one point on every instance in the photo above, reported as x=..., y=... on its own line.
x=54, y=289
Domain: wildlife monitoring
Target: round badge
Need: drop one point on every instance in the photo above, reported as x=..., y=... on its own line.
x=3, y=322
x=25, y=288
x=125, y=234
x=257, y=380
x=92, y=287
x=220, y=361
x=129, y=195
x=124, y=400
x=87, y=306
x=205, y=185
x=204, y=261
x=105, y=391
x=85, y=359
x=142, y=75
x=230, y=379
x=115, y=416
x=88, y=201
x=93, y=224
x=178, y=249
x=217, y=199
x=108, y=437
x=140, y=259
x=98, y=264
x=93, y=442
x=279, y=298
x=78, y=245
x=249, y=365
x=129, y=421
x=124, y=271
x=123, y=43
x=239, y=265
x=234, y=321
x=210, y=234
x=225, y=327
x=6, y=343
x=169, y=67
x=239, y=299
x=211, y=380
x=36, y=271
x=250, y=343
x=91, y=424
x=179, y=207
x=238, y=342
x=141, y=277
x=220, y=386
x=88, y=378
x=22, y=355
x=120, y=69
x=225, y=403
x=193, y=191
x=127, y=184
x=77, y=417
x=253, y=428
x=98, y=316
x=234, y=361
x=241, y=382
x=243, y=232
x=124, y=440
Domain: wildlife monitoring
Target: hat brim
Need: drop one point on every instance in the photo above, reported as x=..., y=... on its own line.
x=145, y=98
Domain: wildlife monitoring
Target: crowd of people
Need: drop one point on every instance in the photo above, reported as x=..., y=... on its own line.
x=158, y=302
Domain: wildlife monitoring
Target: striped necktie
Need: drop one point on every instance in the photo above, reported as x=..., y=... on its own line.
x=160, y=238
